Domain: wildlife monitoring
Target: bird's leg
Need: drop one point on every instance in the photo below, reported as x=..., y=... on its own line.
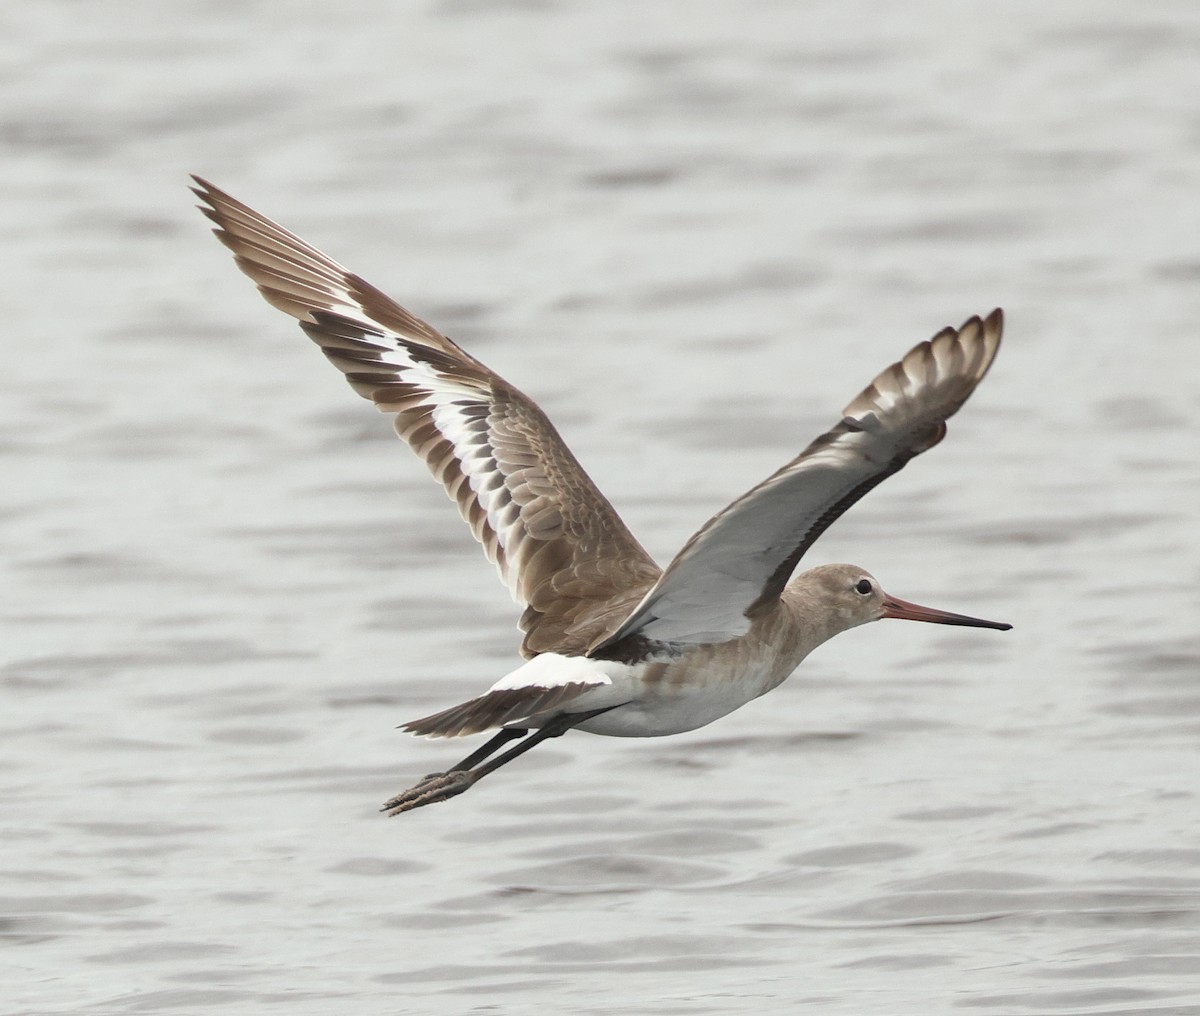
x=503, y=737
x=435, y=782
x=460, y=778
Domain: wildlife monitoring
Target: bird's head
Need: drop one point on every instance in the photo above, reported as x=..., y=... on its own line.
x=845, y=596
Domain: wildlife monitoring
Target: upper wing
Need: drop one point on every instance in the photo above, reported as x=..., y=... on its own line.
x=558, y=544
x=739, y=562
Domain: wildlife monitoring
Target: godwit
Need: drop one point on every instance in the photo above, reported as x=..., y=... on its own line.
x=614, y=644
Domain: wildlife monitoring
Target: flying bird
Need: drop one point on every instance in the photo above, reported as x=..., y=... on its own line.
x=613, y=644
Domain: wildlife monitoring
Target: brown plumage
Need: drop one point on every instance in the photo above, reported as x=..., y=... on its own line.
x=614, y=644
x=557, y=542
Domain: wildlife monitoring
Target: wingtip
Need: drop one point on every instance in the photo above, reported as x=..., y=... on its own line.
x=208, y=195
x=992, y=321
x=199, y=186
x=217, y=201
x=993, y=332
x=993, y=324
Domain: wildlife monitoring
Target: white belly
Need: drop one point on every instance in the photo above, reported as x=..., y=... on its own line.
x=673, y=714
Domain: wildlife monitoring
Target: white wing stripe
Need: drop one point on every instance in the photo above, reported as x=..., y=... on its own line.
x=525, y=497
x=458, y=413
x=474, y=454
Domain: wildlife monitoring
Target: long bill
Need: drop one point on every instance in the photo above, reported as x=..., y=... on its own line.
x=893, y=607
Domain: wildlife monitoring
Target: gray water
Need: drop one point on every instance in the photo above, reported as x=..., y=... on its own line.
x=692, y=231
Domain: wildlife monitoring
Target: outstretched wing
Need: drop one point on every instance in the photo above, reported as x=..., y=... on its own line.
x=739, y=562
x=558, y=544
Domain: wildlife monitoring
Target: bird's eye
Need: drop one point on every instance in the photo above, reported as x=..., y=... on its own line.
x=862, y=586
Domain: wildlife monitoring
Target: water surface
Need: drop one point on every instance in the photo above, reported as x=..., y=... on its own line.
x=692, y=232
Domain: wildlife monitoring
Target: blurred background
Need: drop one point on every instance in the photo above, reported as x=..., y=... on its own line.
x=691, y=231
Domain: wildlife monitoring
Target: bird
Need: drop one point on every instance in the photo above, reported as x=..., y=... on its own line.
x=612, y=643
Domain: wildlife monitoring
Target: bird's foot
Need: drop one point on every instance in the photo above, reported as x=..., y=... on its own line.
x=433, y=788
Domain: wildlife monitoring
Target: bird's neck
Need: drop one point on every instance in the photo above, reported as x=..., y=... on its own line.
x=809, y=617
x=792, y=630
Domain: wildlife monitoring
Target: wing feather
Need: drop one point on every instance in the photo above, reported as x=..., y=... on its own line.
x=495, y=708
x=738, y=563
x=558, y=544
